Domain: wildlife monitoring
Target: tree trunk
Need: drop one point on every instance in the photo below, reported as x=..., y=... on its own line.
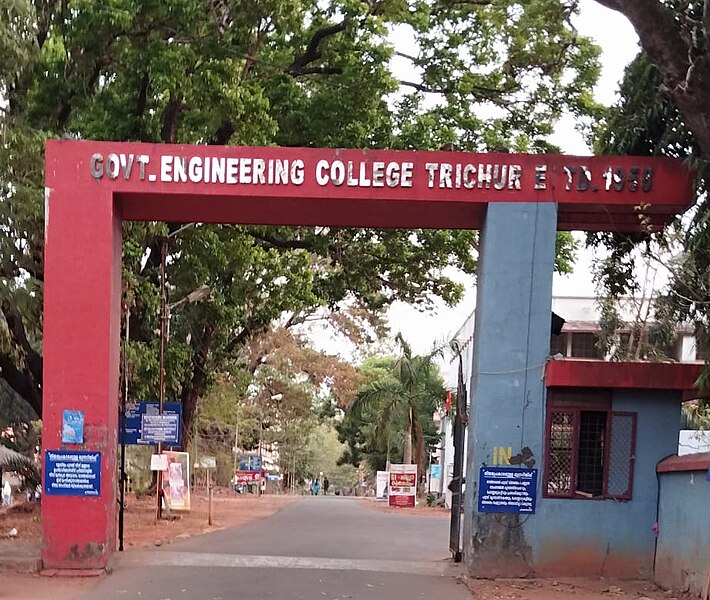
x=196, y=385
x=686, y=76
x=407, y=458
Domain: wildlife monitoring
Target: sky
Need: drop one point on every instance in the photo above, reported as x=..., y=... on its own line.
x=619, y=44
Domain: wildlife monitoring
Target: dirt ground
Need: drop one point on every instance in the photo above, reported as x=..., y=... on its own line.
x=540, y=589
x=421, y=509
x=228, y=509
x=562, y=589
x=141, y=530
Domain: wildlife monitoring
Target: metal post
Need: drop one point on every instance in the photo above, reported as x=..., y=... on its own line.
x=236, y=453
x=124, y=400
x=209, y=498
x=261, y=465
x=429, y=474
x=161, y=374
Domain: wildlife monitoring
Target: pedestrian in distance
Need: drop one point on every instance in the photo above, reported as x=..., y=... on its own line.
x=316, y=487
x=326, y=485
x=7, y=494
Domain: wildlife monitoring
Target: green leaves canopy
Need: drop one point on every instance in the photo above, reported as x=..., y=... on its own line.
x=293, y=72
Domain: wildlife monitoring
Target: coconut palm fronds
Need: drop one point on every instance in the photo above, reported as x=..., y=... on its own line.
x=25, y=467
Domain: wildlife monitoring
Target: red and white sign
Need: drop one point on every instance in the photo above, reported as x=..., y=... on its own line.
x=403, y=485
x=247, y=477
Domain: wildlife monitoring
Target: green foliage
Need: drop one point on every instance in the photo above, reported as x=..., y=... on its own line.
x=394, y=410
x=647, y=122
x=293, y=73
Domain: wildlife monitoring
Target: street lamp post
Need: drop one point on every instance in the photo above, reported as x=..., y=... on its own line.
x=161, y=371
x=197, y=295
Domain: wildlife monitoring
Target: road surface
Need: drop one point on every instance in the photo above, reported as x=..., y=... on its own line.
x=318, y=547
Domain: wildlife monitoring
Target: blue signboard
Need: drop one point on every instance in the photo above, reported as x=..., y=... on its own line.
x=72, y=473
x=435, y=471
x=160, y=428
x=250, y=462
x=73, y=427
x=507, y=490
x=134, y=420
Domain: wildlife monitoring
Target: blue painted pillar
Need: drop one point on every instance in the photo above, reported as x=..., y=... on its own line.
x=511, y=344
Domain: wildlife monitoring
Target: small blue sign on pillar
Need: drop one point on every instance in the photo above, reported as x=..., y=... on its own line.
x=73, y=427
x=507, y=490
x=72, y=473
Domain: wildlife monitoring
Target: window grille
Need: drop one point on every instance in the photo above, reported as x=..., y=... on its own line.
x=559, y=481
x=558, y=344
x=589, y=453
x=621, y=454
x=584, y=345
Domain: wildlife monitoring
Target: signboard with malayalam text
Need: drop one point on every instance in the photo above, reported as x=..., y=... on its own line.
x=247, y=477
x=403, y=485
x=163, y=429
x=72, y=473
x=507, y=490
x=134, y=420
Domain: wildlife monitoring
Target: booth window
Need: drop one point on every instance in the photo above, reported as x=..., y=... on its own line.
x=589, y=448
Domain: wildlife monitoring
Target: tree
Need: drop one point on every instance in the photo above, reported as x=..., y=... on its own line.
x=403, y=400
x=646, y=121
x=675, y=37
x=257, y=73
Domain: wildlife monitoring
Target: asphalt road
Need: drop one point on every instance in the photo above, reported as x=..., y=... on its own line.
x=319, y=547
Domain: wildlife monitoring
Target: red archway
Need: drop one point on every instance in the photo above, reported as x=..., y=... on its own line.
x=91, y=187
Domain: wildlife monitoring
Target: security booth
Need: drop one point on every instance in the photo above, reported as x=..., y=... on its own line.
x=607, y=427
x=586, y=502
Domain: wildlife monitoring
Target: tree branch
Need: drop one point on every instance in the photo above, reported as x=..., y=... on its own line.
x=421, y=87
x=313, y=50
x=686, y=76
x=171, y=114
x=21, y=382
x=658, y=33
x=491, y=94
x=279, y=243
x=33, y=360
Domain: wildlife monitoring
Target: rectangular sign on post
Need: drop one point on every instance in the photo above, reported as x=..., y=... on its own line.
x=247, y=477
x=403, y=485
x=72, y=473
x=134, y=420
x=176, y=491
x=250, y=462
x=160, y=428
x=382, y=481
x=507, y=490
x=158, y=462
x=73, y=427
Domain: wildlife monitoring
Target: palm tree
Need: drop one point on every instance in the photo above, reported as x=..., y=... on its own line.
x=405, y=399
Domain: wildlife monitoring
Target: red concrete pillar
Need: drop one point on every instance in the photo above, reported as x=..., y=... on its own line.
x=81, y=353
